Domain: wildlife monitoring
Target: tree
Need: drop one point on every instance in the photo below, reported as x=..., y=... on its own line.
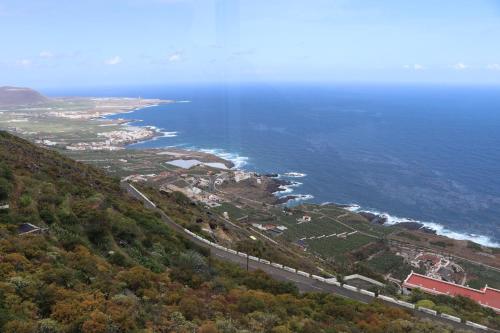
x=179, y=324
x=192, y=307
x=208, y=327
x=48, y=325
x=97, y=323
x=19, y=326
x=5, y=188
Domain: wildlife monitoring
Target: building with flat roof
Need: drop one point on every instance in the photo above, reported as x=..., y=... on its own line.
x=487, y=297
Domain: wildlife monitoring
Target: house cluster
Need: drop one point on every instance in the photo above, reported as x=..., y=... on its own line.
x=304, y=219
x=136, y=178
x=46, y=142
x=272, y=229
x=221, y=177
x=242, y=175
x=115, y=140
x=102, y=145
x=194, y=193
x=487, y=297
x=77, y=115
x=342, y=235
x=439, y=267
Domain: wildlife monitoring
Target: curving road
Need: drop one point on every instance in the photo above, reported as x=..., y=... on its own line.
x=304, y=284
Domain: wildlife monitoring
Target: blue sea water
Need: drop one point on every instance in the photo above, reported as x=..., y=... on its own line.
x=429, y=153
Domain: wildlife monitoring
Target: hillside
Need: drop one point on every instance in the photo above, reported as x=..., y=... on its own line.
x=14, y=96
x=103, y=263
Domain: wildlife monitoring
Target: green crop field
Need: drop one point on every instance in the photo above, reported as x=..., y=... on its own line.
x=338, y=247
x=233, y=211
x=478, y=276
x=387, y=262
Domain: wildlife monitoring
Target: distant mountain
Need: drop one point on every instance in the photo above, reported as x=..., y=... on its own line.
x=12, y=96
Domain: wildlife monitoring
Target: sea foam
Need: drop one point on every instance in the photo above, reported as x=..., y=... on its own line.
x=301, y=197
x=439, y=228
x=238, y=160
x=294, y=174
x=289, y=188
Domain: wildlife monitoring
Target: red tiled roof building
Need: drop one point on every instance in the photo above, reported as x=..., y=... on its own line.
x=487, y=297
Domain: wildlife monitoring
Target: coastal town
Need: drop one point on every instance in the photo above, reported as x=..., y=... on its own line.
x=80, y=124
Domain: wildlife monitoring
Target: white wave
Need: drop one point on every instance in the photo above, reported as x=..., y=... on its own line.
x=439, y=228
x=185, y=101
x=162, y=131
x=288, y=188
x=294, y=174
x=352, y=207
x=283, y=189
x=145, y=107
x=238, y=160
x=443, y=231
x=301, y=197
x=169, y=134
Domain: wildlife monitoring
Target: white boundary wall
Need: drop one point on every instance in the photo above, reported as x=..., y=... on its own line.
x=387, y=299
x=426, y=310
x=303, y=273
x=335, y=283
x=142, y=195
x=406, y=304
x=472, y=324
x=366, y=292
x=450, y=317
x=319, y=278
x=348, y=287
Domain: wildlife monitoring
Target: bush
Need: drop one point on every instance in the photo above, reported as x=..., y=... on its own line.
x=5, y=188
x=25, y=200
x=425, y=303
x=119, y=259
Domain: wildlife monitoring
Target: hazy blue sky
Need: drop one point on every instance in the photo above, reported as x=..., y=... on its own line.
x=50, y=43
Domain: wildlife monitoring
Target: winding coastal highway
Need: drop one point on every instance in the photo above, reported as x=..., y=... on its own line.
x=304, y=283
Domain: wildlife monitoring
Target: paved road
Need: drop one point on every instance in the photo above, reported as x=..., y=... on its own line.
x=304, y=284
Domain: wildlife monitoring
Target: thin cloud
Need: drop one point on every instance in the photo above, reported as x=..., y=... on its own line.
x=114, y=61
x=175, y=57
x=415, y=67
x=46, y=55
x=460, y=66
x=493, y=67
x=24, y=62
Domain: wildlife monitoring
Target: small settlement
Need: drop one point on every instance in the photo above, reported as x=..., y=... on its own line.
x=487, y=297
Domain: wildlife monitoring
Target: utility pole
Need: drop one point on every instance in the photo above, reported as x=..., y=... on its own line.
x=248, y=260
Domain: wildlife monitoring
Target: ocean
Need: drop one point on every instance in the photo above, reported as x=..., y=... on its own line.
x=428, y=153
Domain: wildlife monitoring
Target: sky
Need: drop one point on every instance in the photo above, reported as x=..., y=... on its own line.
x=57, y=43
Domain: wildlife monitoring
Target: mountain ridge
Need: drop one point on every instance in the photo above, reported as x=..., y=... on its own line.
x=15, y=96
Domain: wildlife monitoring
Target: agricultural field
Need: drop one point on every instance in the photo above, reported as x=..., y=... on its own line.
x=338, y=247
x=233, y=211
x=387, y=262
x=478, y=276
